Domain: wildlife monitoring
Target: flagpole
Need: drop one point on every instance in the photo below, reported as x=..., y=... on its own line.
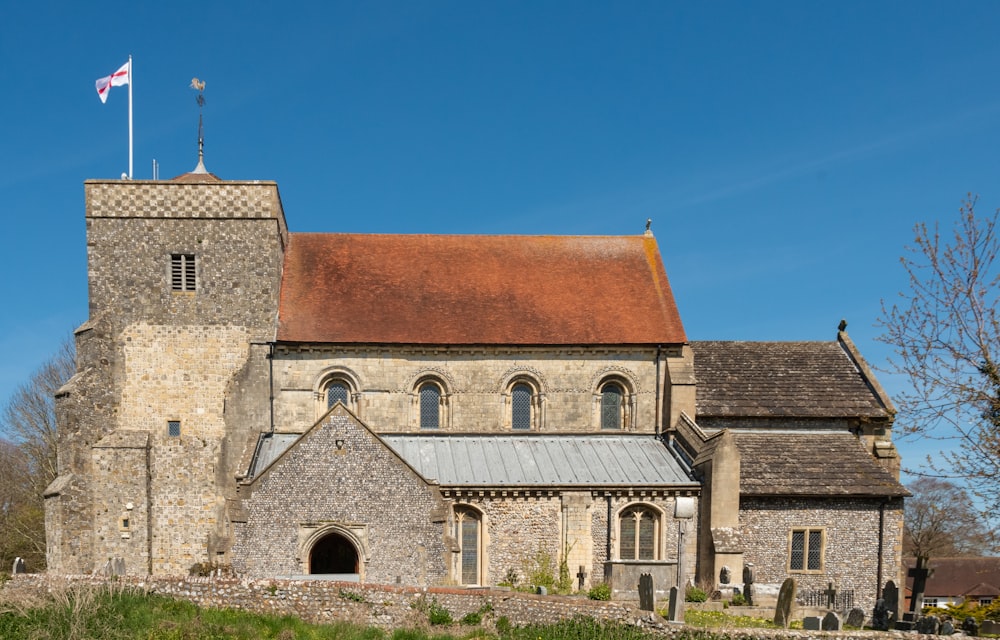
x=130, y=116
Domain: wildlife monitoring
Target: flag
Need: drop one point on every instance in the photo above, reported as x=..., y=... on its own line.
x=116, y=79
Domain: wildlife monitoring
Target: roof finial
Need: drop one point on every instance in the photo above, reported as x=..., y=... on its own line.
x=649, y=223
x=842, y=326
x=199, y=86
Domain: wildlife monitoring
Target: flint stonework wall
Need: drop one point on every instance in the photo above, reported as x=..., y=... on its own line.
x=477, y=386
x=357, y=486
x=850, y=559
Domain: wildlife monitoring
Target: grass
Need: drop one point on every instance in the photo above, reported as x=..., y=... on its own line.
x=113, y=612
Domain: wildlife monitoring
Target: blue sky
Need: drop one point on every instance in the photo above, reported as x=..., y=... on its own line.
x=784, y=150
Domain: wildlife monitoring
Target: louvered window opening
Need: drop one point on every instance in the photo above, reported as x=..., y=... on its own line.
x=336, y=392
x=637, y=539
x=807, y=550
x=430, y=407
x=611, y=407
x=470, y=549
x=520, y=403
x=182, y=272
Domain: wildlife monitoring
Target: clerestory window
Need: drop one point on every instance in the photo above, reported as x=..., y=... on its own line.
x=430, y=406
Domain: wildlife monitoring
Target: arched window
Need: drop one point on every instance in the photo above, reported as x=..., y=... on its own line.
x=612, y=406
x=520, y=406
x=638, y=534
x=337, y=391
x=430, y=405
x=468, y=532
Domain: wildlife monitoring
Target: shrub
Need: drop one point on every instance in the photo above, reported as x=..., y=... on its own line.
x=472, y=619
x=600, y=591
x=739, y=599
x=540, y=569
x=694, y=594
x=437, y=614
x=503, y=625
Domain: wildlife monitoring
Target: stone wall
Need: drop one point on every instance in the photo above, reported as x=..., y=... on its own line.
x=476, y=381
x=851, y=546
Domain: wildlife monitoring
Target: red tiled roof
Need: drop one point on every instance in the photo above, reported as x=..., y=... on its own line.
x=960, y=577
x=449, y=289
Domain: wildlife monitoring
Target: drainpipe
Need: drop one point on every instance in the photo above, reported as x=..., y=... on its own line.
x=270, y=380
x=659, y=409
x=881, y=549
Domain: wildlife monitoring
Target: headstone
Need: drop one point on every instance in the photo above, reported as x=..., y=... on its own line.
x=919, y=573
x=118, y=566
x=890, y=593
x=928, y=625
x=970, y=626
x=831, y=622
x=748, y=591
x=991, y=627
x=880, y=616
x=812, y=623
x=855, y=618
x=786, y=598
x=725, y=575
x=675, y=611
x=581, y=575
x=19, y=566
x=542, y=591
x=831, y=597
x=904, y=625
x=947, y=628
x=646, y=592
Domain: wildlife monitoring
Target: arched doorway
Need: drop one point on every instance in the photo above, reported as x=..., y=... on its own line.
x=333, y=553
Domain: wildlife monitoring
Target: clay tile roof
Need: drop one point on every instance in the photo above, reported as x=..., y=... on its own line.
x=952, y=577
x=828, y=464
x=449, y=289
x=193, y=177
x=781, y=379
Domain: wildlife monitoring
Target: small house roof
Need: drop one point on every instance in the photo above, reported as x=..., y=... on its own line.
x=476, y=290
x=782, y=380
x=960, y=577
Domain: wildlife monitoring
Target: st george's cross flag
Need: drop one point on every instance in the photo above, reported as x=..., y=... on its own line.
x=116, y=79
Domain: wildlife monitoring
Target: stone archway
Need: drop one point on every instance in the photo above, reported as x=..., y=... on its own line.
x=333, y=553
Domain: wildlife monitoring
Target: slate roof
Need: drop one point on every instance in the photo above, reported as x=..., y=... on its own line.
x=810, y=463
x=476, y=290
x=966, y=577
x=781, y=379
x=536, y=460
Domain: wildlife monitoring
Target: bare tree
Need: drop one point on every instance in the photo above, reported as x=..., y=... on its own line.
x=939, y=521
x=28, y=458
x=945, y=333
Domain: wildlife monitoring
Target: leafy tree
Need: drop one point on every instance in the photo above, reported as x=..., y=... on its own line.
x=28, y=459
x=945, y=333
x=939, y=521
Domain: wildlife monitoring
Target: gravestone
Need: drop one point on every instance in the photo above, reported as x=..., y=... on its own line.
x=786, y=599
x=812, y=623
x=831, y=597
x=646, y=592
x=855, y=618
x=970, y=626
x=831, y=622
x=581, y=575
x=725, y=575
x=542, y=591
x=19, y=566
x=118, y=566
x=880, y=616
x=890, y=593
x=991, y=627
x=904, y=625
x=947, y=628
x=919, y=573
x=748, y=590
x=929, y=625
x=675, y=611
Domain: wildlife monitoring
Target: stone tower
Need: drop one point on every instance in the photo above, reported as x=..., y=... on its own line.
x=173, y=374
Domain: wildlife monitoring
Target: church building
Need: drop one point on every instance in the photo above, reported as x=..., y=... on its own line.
x=445, y=410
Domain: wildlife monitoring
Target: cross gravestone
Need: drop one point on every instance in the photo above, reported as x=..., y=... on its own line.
x=831, y=597
x=890, y=594
x=831, y=622
x=855, y=618
x=812, y=623
x=786, y=599
x=748, y=590
x=919, y=573
x=581, y=575
x=880, y=616
x=19, y=566
x=646, y=592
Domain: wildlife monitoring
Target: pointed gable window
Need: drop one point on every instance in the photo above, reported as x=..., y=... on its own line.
x=182, y=272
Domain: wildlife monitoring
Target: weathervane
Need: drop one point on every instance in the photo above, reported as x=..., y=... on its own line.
x=199, y=86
